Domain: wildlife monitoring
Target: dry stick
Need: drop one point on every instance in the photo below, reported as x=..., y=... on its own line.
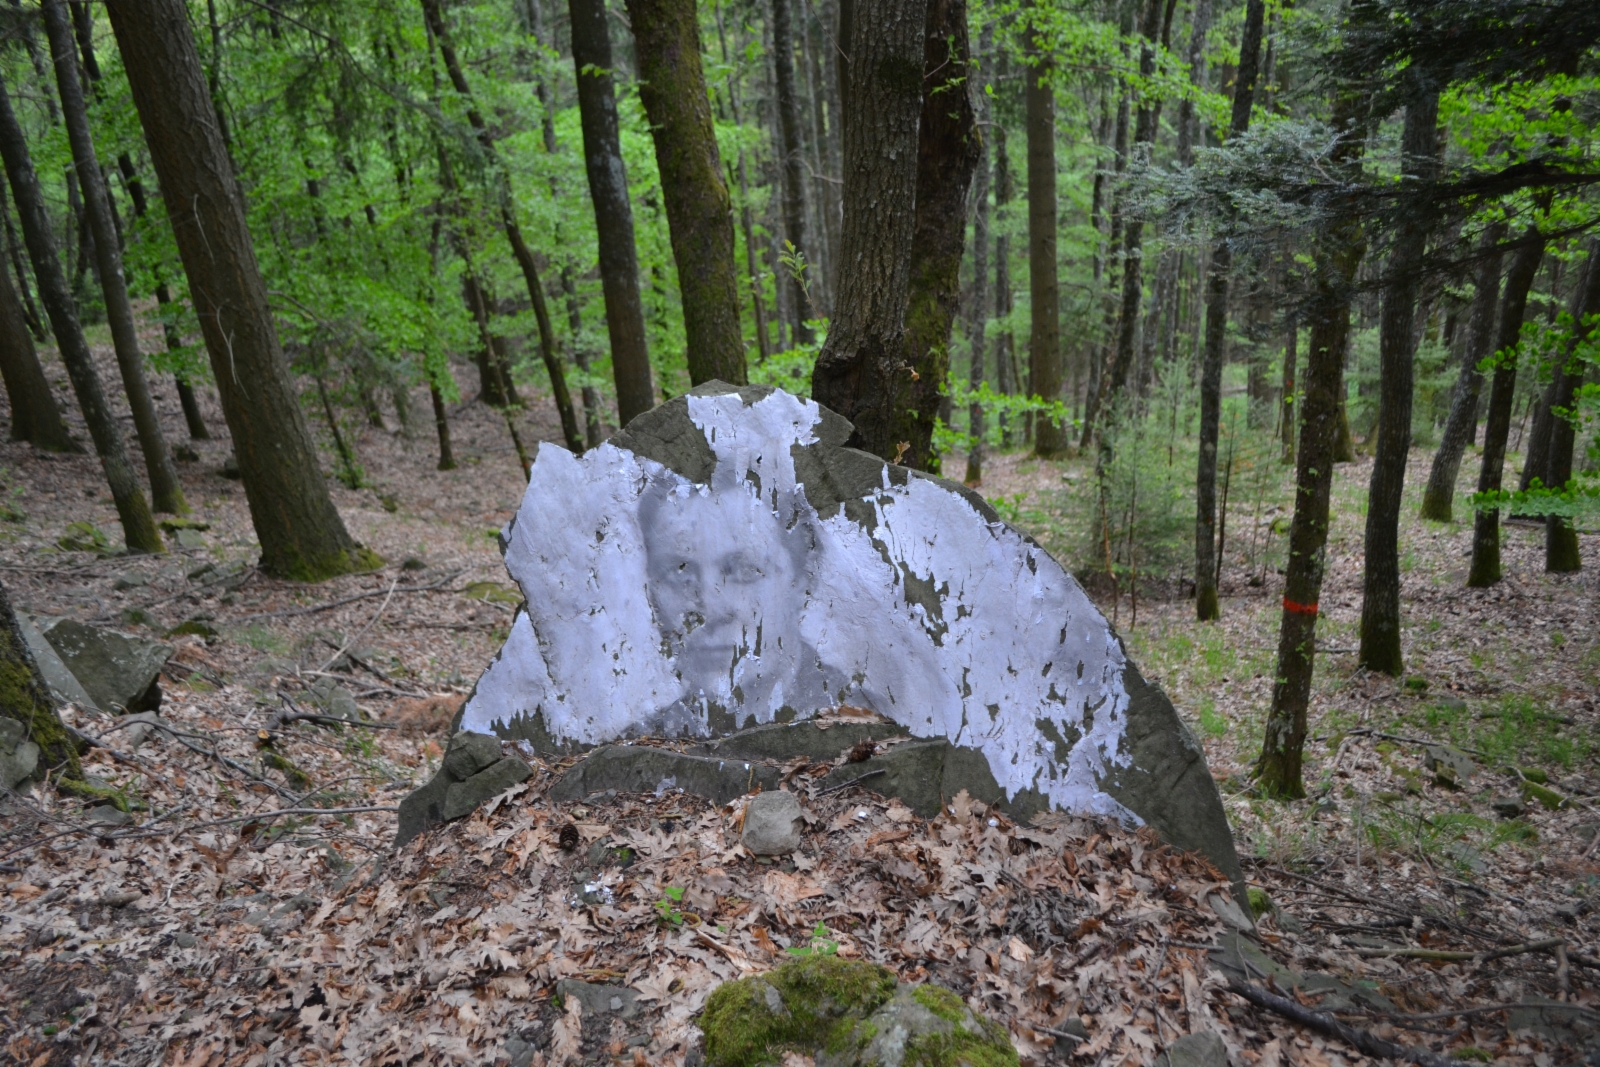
x=1455, y=954
x=363, y=631
x=334, y=720
x=1361, y=1040
x=330, y=605
x=851, y=782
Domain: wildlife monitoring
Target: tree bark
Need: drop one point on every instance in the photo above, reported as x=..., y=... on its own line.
x=862, y=371
x=793, y=163
x=1051, y=439
x=1336, y=258
x=1438, y=500
x=1005, y=381
x=166, y=493
x=1485, y=568
x=301, y=533
x=1380, y=602
x=947, y=154
x=25, y=697
x=1206, y=604
x=978, y=297
x=36, y=325
x=138, y=527
x=35, y=417
x=441, y=425
x=1289, y=410
x=613, y=213
x=699, y=212
x=1561, y=555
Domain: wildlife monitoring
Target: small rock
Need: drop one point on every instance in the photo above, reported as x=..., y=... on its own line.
x=1204, y=1049
x=185, y=939
x=230, y=467
x=518, y=1051
x=1451, y=767
x=469, y=753
x=106, y=815
x=772, y=824
x=143, y=726
x=189, y=539
x=1546, y=796
x=341, y=704
x=1534, y=774
x=1508, y=807
x=1572, y=910
x=131, y=580
x=463, y=797
x=19, y=757
x=201, y=571
x=600, y=999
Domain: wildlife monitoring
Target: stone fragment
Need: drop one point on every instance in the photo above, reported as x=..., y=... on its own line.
x=1549, y=798
x=119, y=673
x=519, y=1052
x=131, y=580
x=642, y=769
x=19, y=757
x=600, y=999
x=471, y=772
x=107, y=815
x=772, y=824
x=470, y=753
x=928, y=1024
x=1451, y=767
x=65, y=688
x=142, y=727
x=1204, y=1049
x=726, y=564
x=462, y=797
x=1509, y=807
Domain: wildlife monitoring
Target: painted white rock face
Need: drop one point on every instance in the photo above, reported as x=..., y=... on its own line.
x=663, y=605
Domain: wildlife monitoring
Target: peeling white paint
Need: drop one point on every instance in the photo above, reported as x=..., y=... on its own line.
x=654, y=602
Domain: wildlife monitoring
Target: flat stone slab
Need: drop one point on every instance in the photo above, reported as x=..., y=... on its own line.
x=95, y=667
x=725, y=563
x=643, y=769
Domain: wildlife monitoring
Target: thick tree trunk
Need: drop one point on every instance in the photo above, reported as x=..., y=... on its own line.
x=35, y=418
x=699, y=213
x=300, y=531
x=613, y=213
x=1561, y=555
x=166, y=493
x=1336, y=257
x=138, y=527
x=1051, y=439
x=1380, y=602
x=947, y=153
x=1206, y=605
x=25, y=697
x=793, y=161
x=1438, y=500
x=862, y=371
x=978, y=297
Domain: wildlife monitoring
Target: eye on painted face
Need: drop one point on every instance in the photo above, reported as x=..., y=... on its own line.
x=723, y=583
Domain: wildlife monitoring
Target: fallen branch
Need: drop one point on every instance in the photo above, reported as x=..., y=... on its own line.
x=349, y=644
x=851, y=782
x=1367, y=1043
x=1457, y=954
x=330, y=605
x=334, y=720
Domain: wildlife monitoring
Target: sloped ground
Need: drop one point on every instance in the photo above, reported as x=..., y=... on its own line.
x=213, y=929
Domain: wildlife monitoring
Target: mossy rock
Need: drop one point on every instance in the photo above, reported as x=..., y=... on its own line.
x=1546, y=796
x=846, y=1013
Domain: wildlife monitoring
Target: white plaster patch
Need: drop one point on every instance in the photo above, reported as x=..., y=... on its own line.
x=659, y=606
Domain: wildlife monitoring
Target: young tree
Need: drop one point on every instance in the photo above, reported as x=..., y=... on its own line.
x=1044, y=285
x=1438, y=499
x=1397, y=339
x=978, y=295
x=166, y=494
x=699, y=212
x=793, y=156
x=613, y=212
x=301, y=533
x=35, y=418
x=1206, y=604
x=138, y=526
x=862, y=372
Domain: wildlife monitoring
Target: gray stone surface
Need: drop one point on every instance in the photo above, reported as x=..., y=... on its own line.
x=19, y=757
x=142, y=727
x=642, y=769
x=118, y=673
x=726, y=566
x=106, y=815
x=65, y=688
x=785, y=741
x=1204, y=1049
x=1450, y=766
x=1509, y=807
x=906, y=1019
x=471, y=772
x=600, y=999
x=772, y=824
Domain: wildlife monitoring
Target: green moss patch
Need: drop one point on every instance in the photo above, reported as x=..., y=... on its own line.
x=808, y=1004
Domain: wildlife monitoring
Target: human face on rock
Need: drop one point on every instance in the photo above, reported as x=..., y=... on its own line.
x=724, y=584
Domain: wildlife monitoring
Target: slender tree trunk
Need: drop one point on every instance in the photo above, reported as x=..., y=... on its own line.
x=613, y=213
x=947, y=153
x=36, y=325
x=1561, y=555
x=793, y=162
x=138, y=527
x=1051, y=439
x=1289, y=409
x=35, y=417
x=978, y=298
x=300, y=531
x=1005, y=381
x=1485, y=568
x=1206, y=604
x=699, y=213
x=1110, y=263
x=441, y=423
x=1380, y=602
x=166, y=493
x=1336, y=257
x=862, y=371
x=1438, y=500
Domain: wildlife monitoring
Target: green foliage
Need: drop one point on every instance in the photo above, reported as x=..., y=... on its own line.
x=667, y=913
x=803, y=1005
x=84, y=537
x=818, y=944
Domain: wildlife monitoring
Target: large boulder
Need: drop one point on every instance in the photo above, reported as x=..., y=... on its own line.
x=95, y=667
x=726, y=565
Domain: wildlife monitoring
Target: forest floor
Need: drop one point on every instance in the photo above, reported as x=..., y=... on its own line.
x=213, y=929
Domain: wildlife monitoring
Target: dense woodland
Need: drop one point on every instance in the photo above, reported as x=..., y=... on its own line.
x=1193, y=259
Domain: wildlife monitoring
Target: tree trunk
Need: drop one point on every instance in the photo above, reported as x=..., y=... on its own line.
x=947, y=153
x=1110, y=263
x=138, y=527
x=613, y=213
x=793, y=161
x=1380, y=601
x=25, y=697
x=35, y=417
x=862, y=371
x=1561, y=555
x=1336, y=257
x=441, y=424
x=699, y=213
x=1051, y=439
x=1206, y=604
x=301, y=533
x=1289, y=410
x=14, y=254
x=978, y=298
x=1485, y=568
x=166, y=493
x=1438, y=500
x=1005, y=381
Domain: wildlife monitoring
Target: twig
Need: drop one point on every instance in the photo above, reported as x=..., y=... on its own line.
x=1361, y=1040
x=851, y=782
x=334, y=720
x=1487, y=1009
x=363, y=631
x=1455, y=954
x=330, y=605
x=1053, y=1032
